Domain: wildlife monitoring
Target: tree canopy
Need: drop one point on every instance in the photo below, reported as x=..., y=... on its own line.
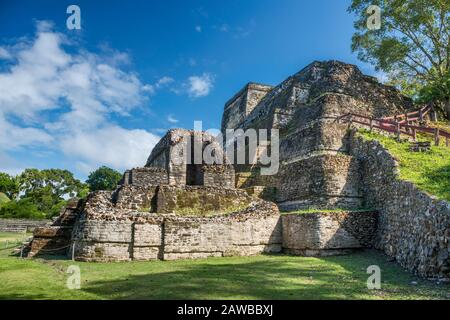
x=411, y=46
x=9, y=185
x=39, y=192
x=103, y=178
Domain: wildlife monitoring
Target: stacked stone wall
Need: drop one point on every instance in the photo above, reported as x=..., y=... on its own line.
x=146, y=176
x=254, y=230
x=326, y=233
x=414, y=227
x=324, y=181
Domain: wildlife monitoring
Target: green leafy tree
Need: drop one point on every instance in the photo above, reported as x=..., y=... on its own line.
x=23, y=208
x=3, y=199
x=48, y=189
x=411, y=46
x=9, y=185
x=103, y=178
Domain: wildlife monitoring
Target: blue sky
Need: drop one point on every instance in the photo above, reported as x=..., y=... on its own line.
x=103, y=95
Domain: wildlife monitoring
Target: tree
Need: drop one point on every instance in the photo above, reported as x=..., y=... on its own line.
x=23, y=208
x=48, y=189
x=9, y=185
x=103, y=178
x=411, y=46
x=3, y=199
x=60, y=183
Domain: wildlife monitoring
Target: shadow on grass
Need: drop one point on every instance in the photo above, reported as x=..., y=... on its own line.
x=273, y=277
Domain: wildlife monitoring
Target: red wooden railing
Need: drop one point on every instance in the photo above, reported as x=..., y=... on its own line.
x=399, y=124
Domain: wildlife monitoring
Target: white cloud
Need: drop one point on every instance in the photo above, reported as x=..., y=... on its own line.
x=200, y=86
x=164, y=81
x=84, y=89
x=4, y=54
x=198, y=28
x=110, y=145
x=172, y=119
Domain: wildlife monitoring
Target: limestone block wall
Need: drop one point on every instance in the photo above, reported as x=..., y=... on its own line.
x=240, y=234
x=218, y=176
x=239, y=106
x=145, y=176
x=414, y=227
x=256, y=229
x=102, y=240
x=326, y=181
x=135, y=197
x=325, y=233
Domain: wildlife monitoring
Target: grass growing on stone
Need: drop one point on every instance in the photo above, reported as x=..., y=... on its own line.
x=258, y=277
x=430, y=171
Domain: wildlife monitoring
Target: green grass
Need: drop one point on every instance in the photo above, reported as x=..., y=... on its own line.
x=12, y=236
x=430, y=171
x=258, y=277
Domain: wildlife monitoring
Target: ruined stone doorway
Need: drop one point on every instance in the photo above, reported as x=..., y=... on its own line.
x=194, y=175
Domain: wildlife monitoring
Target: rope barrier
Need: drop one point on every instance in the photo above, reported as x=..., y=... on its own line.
x=57, y=249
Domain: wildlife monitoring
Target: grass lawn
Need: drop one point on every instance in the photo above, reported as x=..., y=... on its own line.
x=12, y=236
x=258, y=277
x=430, y=171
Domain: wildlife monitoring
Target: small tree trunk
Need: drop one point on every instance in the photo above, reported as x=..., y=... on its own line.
x=447, y=109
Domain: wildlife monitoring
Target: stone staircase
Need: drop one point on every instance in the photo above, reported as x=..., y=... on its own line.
x=55, y=239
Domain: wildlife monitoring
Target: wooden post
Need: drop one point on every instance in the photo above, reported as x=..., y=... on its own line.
x=436, y=136
x=434, y=116
x=398, y=131
x=73, y=251
x=371, y=124
x=414, y=134
x=421, y=115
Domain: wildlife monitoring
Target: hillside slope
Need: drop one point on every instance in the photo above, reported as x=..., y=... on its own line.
x=429, y=171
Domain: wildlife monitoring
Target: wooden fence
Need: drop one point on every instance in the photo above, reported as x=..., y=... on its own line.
x=408, y=124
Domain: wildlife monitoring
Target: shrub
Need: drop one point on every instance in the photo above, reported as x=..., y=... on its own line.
x=23, y=208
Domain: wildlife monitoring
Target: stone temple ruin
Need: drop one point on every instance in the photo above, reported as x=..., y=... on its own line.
x=172, y=208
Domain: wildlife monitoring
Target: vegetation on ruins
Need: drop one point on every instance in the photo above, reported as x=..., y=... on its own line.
x=430, y=171
x=411, y=46
x=103, y=178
